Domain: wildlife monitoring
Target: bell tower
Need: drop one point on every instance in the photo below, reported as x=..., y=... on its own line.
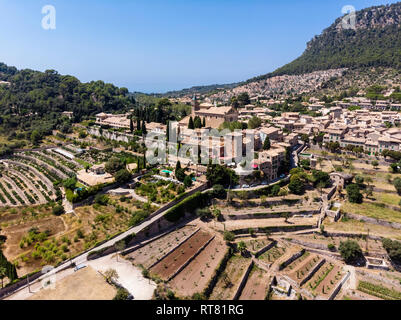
x=195, y=106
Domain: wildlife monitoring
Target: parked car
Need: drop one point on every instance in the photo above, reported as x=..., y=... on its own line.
x=79, y=267
x=245, y=186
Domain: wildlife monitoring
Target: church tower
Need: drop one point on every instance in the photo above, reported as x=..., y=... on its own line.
x=195, y=106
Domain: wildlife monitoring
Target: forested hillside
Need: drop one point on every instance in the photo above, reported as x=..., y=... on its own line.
x=32, y=100
x=375, y=42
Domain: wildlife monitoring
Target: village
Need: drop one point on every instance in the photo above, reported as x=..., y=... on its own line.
x=209, y=221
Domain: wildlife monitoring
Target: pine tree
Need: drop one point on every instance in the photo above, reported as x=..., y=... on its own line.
x=191, y=123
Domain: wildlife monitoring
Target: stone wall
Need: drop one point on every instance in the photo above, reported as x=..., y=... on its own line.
x=378, y=222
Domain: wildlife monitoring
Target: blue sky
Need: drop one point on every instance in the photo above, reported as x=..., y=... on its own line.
x=161, y=45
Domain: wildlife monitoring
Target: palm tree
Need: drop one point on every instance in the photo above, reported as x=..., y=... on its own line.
x=242, y=247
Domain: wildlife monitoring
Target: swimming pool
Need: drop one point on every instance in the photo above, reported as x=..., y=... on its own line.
x=167, y=171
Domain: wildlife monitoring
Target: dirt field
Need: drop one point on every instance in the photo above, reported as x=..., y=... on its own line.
x=197, y=274
x=228, y=282
x=85, y=284
x=171, y=263
x=325, y=280
x=257, y=285
x=262, y=223
x=157, y=249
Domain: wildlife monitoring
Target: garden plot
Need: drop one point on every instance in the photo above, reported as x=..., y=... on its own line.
x=44, y=169
x=272, y=255
x=302, y=267
x=379, y=290
x=21, y=186
x=160, y=191
x=156, y=250
x=170, y=264
x=195, y=277
x=256, y=286
x=322, y=242
x=325, y=280
x=254, y=245
x=229, y=280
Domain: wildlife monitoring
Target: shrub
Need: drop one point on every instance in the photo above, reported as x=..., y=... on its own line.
x=229, y=236
x=58, y=210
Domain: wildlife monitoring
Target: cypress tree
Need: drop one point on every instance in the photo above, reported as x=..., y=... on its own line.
x=168, y=131
x=197, y=123
x=267, y=144
x=131, y=125
x=138, y=124
x=191, y=123
x=204, y=122
x=144, y=131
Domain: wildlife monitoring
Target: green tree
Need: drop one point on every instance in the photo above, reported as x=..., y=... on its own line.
x=267, y=144
x=144, y=131
x=228, y=236
x=3, y=274
x=197, y=123
x=397, y=185
x=36, y=137
x=297, y=185
x=131, y=125
x=350, y=251
x=188, y=181
x=241, y=247
x=243, y=99
x=191, y=123
x=217, y=174
x=58, y=210
x=114, y=165
x=254, y=122
x=354, y=194
x=123, y=176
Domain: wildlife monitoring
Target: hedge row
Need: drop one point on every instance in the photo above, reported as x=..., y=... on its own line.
x=190, y=204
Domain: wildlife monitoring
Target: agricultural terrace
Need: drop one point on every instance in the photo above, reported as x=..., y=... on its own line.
x=21, y=185
x=229, y=280
x=272, y=255
x=156, y=250
x=170, y=264
x=325, y=280
x=197, y=274
x=257, y=285
x=35, y=236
